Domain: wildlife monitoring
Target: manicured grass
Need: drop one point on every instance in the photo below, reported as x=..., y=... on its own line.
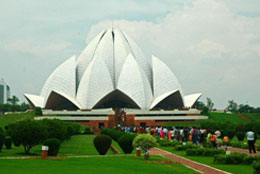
x=223, y=117
x=94, y=165
x=76, y=145
x=252, y=117
x=82, y=145
x=19, y=151
x=11, y=118
x=236, y=169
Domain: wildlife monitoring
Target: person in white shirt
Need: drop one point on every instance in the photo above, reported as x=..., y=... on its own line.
x=251, y=139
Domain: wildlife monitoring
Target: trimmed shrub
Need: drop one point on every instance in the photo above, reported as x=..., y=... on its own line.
x=8, y=142
x=87, y=131
x=145, y=142
x=114, y=134
x=241, y=145
x=166, y=142
x=54, y=146
x=2, y=138
x=28, y=133
x=256, y=166
x=38, y=111
x=204, y=152
x=102, y=143
x=240, y=136
x=55, y=129
x=125, y=142
x=185, y=147
x=233, y=158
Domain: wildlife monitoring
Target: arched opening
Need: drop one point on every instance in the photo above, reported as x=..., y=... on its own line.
x=58, y=102
x=116, y=99
x=173, y=101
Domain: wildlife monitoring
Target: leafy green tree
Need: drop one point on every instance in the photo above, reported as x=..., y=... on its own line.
x=199, y=104
x=210, y=104
x=232, y=106
x=145, y=142
x=14, y=100
x=28, y=133
x=205, y=111
x=56, y=129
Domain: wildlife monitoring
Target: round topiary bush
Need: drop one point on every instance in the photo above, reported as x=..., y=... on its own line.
x=102, y=143
x=8, y=142
x=2, y=138
x=54, y=146
x=145, y=142
x=125, y=142
x=240, y=136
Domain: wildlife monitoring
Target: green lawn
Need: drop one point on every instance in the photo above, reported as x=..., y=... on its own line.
x=76, y=145
x=11, y=118
x=252, y=117
x=82, y=145
x=223, y=117
x=97, y=165
x=236, y=169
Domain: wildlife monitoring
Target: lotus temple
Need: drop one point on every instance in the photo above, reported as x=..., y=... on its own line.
x=112, y=82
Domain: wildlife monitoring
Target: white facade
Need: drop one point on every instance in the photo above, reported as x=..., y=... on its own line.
x=112, y=69
x=4, y=92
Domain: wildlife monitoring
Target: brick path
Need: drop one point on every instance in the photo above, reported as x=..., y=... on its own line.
x=192, y=164
x=244, y=117
x=246, y=151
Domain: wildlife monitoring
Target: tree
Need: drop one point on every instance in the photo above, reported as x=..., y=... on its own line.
x=28, y=133
x=145, y=142
x=210, y=104
x=232, y=106
x=14, y=100
x=199, y=105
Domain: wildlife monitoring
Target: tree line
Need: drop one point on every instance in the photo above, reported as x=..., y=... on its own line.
x=232, y=107
x=13, y=105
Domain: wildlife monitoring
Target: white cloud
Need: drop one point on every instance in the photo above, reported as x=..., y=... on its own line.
x=205, y=41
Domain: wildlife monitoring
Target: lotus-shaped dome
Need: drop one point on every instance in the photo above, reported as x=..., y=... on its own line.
x=112, y=71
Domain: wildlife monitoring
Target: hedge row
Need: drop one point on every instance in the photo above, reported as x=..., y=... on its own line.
x=256, y=166
x=166, y=143
x=204, y=152
x=114, y=134
x=235, y=158
x=186, y=146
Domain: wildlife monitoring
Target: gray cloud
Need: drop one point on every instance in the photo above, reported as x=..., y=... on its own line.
x=212, y=46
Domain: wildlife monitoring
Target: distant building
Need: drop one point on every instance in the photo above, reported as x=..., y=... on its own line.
x=4, y=92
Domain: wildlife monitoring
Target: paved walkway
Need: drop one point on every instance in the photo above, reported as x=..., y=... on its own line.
x=244, y=117
x=246, y=151
x=202, y=168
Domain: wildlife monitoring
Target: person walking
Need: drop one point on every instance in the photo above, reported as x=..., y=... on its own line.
x=225, y=140
x=213, y=140
x=251, y=139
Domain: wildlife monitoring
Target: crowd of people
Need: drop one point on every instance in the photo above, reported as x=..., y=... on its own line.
x=195, y=135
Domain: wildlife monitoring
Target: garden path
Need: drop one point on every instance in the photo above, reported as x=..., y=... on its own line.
x=189, y=163
x=246, y=151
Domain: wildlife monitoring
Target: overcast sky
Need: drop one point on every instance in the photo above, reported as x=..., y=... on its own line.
x=212, y=46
